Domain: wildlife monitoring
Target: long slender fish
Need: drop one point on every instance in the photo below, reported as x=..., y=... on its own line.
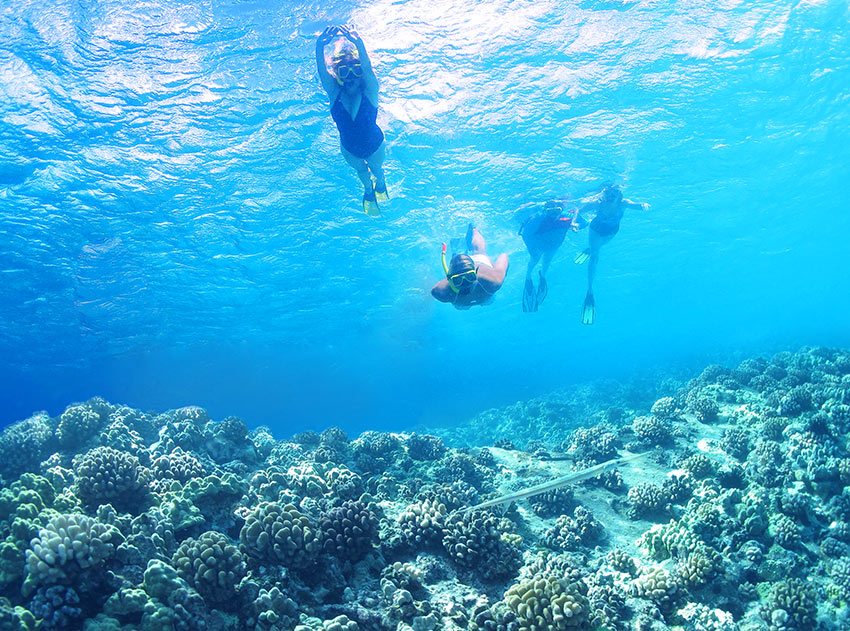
x=557, y=483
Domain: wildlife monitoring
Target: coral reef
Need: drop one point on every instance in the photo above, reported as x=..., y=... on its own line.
x=212, y=565
x=280, y=534
x=736, y=516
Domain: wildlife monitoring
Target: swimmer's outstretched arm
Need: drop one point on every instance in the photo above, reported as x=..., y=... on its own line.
x=635, y=205
x=328, y=82
x=365, y=63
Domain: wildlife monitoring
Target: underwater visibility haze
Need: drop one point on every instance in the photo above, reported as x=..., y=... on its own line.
x=179, y=227
x=229, y=400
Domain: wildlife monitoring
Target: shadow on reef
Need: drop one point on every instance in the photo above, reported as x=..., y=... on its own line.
x=112, y=519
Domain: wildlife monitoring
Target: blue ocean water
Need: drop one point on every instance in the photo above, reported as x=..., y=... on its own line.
x=178, y=226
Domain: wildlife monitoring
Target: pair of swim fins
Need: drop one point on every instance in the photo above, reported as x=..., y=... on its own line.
x=370, y=202
x=531, y=298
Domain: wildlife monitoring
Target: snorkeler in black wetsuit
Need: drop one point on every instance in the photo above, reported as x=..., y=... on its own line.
x=353, y=90
x=609, y=208
x=543, y=233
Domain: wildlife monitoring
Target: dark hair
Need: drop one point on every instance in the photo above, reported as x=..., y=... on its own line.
x=461, y=263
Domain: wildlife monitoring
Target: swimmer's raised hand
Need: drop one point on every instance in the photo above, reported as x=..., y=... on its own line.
x=349, y=34
x=327, y=35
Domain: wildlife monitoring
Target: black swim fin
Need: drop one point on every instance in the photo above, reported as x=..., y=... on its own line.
x=542, y=290
x=529, y=297
x=588, y=313
x=582, y=257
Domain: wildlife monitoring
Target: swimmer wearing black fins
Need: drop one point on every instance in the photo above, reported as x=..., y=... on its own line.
x=543, y=233
x=471, y=278
x=352, y=88
x=608, y=209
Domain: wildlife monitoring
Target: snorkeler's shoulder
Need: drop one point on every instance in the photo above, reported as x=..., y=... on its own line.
x=442, y=292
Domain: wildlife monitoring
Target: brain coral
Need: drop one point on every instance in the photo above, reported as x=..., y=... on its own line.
x=106, y=475
x=282, y=534
x=349, y=531
x=66, y=546
x=211, y=564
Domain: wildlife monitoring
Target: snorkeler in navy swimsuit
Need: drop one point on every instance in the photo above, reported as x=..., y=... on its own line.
x=609, y=208
x=352, y=87
x=361, y=137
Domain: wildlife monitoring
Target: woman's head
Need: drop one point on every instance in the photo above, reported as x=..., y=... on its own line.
x=461, y=274
x=345, y=65
x=553, y=207
x=612, y=193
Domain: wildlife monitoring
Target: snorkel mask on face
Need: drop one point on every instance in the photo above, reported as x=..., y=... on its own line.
x=349, y=70
x=460, y=282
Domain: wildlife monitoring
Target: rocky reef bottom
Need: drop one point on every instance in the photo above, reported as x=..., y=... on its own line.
x=737, y=515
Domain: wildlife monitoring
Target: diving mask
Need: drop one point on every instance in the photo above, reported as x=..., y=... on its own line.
x=462, y=281
x=352, y=70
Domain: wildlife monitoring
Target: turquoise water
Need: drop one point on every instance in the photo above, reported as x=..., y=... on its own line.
x=178, y=226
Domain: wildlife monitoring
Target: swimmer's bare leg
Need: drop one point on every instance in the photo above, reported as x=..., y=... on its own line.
x=596, y=243
x=475, y=241
x=375, y=162
x=359, y=165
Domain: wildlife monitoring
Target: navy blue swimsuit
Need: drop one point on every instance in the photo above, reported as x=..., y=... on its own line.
x=360, y=136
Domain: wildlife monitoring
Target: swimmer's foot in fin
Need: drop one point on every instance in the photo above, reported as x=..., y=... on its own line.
x=381, y=193
x=582, y=256
x=542, y=290
x=588, y=313
x=529, y=297
x=370, y=205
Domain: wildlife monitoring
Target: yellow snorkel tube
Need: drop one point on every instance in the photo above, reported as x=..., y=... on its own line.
x=446, y=270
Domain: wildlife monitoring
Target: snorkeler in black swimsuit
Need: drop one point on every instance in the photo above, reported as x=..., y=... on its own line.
x=360, y=136
x=609, y=209
x=543, y=233
x=352, y=87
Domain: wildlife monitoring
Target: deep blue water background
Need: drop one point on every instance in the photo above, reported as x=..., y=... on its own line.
x=178, y=227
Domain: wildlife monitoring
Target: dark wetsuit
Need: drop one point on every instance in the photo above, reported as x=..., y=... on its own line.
x=542, y=233
x=606, y=226
x=361, y=136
